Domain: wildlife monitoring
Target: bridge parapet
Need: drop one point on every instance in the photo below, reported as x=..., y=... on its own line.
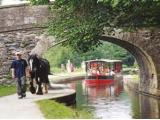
x=22, y=17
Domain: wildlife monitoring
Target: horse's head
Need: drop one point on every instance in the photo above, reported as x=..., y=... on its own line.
x=33, y=62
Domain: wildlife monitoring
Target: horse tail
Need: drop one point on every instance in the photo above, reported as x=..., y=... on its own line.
x=50, y=73
x=46, y=62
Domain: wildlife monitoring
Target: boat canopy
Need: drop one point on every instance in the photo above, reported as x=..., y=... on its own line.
x=103, y=66
x=103, y=60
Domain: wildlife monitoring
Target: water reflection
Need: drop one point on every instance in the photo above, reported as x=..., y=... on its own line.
x=149, y=107
x=105, y=101
x=115, y=101
x=144, y=107
x=108, y=91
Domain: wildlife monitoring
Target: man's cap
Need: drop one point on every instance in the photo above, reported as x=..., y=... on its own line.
x=18, y=53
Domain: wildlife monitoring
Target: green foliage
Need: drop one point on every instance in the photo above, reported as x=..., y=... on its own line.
x=39, y=2
x=137, y=13
x=7, y=90
x=81, y=22
x=129, y=60
x=54, y=110
x=78, y=23
x=60, y=55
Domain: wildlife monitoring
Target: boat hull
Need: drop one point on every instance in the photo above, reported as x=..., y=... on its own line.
x=99, y=80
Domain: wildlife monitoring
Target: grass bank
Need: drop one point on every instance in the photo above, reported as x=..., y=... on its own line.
x=7, y=90
x=54, y=110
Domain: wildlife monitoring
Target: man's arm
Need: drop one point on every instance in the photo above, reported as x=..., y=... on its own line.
x=27, y=71
x=13, y=73
x=13, y=69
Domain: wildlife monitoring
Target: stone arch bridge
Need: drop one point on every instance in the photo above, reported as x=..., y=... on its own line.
x=19, y=29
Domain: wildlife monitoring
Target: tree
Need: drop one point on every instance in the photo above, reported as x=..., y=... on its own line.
x=81, y=22
x=39, y=2
x=60, y=55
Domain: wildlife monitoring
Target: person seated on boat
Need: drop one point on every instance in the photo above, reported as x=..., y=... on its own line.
x=101, y=70
x=89, y=72
x=112, y=73
x=95, y=71
x=106, y=71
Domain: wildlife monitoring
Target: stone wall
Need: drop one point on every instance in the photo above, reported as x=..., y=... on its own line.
x=24, y=40
x=20, y=29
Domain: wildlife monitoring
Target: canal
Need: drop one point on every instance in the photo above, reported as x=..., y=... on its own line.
x=114, y=101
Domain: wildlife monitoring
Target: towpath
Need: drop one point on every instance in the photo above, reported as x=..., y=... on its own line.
x=26, y=108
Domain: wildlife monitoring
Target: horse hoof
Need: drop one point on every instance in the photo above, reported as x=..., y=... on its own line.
x=32, y=90
x=39, y=93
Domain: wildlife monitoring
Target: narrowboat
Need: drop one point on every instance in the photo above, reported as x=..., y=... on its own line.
x=102, y=71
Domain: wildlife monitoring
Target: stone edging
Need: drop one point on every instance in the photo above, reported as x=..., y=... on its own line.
x=68, y=79
x=133, y=86
x=69, y=99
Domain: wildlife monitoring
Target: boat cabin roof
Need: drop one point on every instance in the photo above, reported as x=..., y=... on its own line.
x=103, y=60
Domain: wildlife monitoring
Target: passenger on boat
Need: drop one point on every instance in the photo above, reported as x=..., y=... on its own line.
x=95, y=71
x=112, y=73
x=106, y=71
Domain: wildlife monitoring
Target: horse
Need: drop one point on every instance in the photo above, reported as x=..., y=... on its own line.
x=39, y=70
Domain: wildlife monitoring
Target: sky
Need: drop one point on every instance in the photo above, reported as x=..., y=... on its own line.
x=10, y=2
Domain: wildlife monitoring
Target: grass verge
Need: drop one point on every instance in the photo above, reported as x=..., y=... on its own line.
x=7, y=90
x=54, y=110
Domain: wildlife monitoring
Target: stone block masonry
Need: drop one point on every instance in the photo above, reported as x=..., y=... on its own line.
x=24, y=40
x=20, y=28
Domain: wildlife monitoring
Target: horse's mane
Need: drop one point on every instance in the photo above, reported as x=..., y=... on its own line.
x=42, y=64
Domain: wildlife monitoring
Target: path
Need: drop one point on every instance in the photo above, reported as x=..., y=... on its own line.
x=26, y=108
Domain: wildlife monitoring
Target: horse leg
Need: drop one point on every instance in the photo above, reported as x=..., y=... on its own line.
x=39, y=88
x=46, y=84
x=32, y=88
x=45, y=87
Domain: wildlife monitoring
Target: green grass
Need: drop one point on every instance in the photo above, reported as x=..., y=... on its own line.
x=7, y=90
x=54, y=110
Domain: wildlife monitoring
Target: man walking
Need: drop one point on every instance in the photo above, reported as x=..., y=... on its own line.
x=19, y=71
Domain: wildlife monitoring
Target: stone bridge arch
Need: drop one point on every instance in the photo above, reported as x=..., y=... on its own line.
x=146, y=66
x=143, y=46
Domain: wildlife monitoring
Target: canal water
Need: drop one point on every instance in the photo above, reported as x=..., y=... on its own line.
x=114, y=101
